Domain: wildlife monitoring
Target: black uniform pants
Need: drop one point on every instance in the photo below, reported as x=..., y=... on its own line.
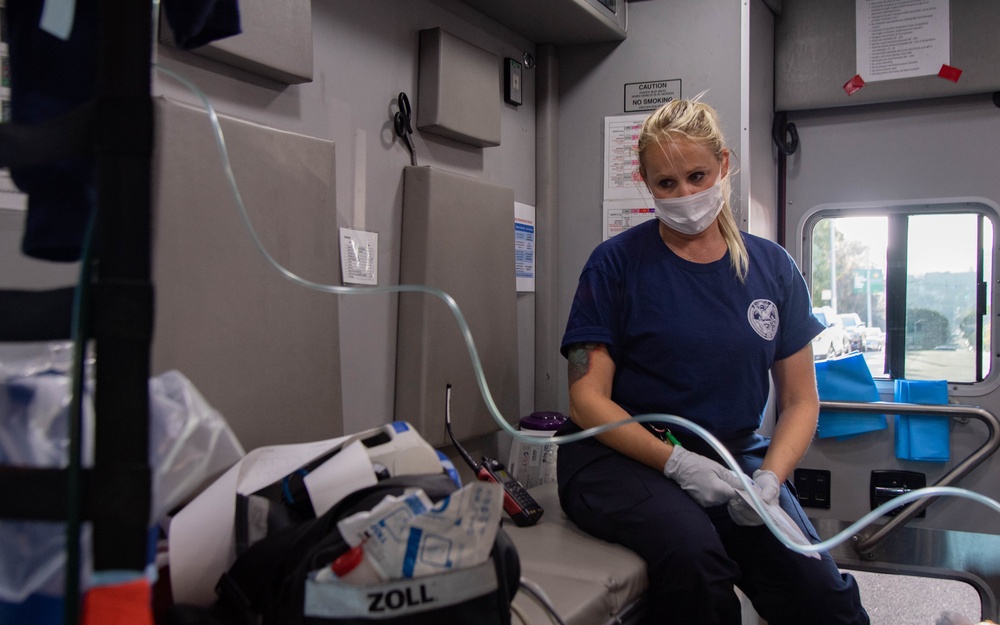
x=694, y=555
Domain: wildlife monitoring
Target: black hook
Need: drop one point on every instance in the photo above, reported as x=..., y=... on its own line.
x=401, y=122
x=779, y=128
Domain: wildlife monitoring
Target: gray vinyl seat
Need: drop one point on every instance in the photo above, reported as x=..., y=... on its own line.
x=587, y=580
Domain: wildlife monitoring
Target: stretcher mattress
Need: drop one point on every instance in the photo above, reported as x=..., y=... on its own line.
x=589, y=581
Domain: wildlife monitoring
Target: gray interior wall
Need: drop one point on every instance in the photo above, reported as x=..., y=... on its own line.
x=816, y=56
x=365, y=52
x=908, y=151
x=697, y=41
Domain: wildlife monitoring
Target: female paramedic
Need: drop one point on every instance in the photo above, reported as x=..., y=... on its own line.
x=685, y=315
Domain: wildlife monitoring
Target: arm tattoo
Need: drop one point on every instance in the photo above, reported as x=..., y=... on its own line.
x=579, y=360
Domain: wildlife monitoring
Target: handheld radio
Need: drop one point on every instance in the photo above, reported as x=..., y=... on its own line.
x=517, y=502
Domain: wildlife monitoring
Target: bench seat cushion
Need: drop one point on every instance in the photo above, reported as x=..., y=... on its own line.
x=588, y=580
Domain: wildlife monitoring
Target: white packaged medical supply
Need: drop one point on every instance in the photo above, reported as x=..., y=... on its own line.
x=535, y=464
x=404, y=541
x=389, y=517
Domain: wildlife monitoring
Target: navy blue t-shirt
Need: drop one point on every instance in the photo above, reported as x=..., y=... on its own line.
x=690, y=339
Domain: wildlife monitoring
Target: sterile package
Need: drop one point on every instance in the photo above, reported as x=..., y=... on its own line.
x=404, y=537
x=744, y=513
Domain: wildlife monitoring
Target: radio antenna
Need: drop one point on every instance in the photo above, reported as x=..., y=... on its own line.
x=447, y=424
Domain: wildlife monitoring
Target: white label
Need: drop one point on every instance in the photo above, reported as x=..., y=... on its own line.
x=649, y=96
x=358, y=257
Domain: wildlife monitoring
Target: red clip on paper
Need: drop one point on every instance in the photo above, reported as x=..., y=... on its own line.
x=950, y=73
x=854, y=84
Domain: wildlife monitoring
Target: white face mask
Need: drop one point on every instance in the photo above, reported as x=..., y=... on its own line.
x=691, y=214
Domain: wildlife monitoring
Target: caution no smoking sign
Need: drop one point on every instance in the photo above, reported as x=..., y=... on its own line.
x=649, y=96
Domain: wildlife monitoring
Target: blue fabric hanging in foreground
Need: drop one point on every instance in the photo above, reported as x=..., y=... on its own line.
x=49, y=78
x=846, y=379
x=922, y=437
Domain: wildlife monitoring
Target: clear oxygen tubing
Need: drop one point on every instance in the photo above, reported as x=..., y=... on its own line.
x=491, y=406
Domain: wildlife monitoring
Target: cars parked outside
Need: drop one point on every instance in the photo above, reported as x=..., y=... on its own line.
x=874, y=339
x=832, y=341
x=854, y=327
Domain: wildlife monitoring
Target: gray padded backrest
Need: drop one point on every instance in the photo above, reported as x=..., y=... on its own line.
x=262, y=350
x=457, y=236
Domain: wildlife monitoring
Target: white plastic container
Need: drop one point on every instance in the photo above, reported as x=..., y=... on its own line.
x=531, y=464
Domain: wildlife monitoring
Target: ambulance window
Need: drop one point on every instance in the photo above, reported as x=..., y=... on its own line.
x=911, y=288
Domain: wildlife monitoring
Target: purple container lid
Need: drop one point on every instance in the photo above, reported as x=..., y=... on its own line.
x=545, y=421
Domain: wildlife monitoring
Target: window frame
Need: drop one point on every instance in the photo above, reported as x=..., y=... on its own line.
x=896, y=280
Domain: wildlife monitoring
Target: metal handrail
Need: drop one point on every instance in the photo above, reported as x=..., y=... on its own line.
x=864, y=543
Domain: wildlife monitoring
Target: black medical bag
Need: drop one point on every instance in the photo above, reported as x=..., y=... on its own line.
x=269, y=583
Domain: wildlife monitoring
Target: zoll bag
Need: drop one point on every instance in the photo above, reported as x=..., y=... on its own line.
x=278, y=580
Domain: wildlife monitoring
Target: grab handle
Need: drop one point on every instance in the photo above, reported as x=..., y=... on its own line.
x=864, y=543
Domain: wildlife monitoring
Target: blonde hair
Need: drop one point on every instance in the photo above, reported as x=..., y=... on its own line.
x=696, y=121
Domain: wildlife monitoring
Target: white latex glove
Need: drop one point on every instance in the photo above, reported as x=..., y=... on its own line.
x=741, y=509
x=770, y=488
x=708, y=482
